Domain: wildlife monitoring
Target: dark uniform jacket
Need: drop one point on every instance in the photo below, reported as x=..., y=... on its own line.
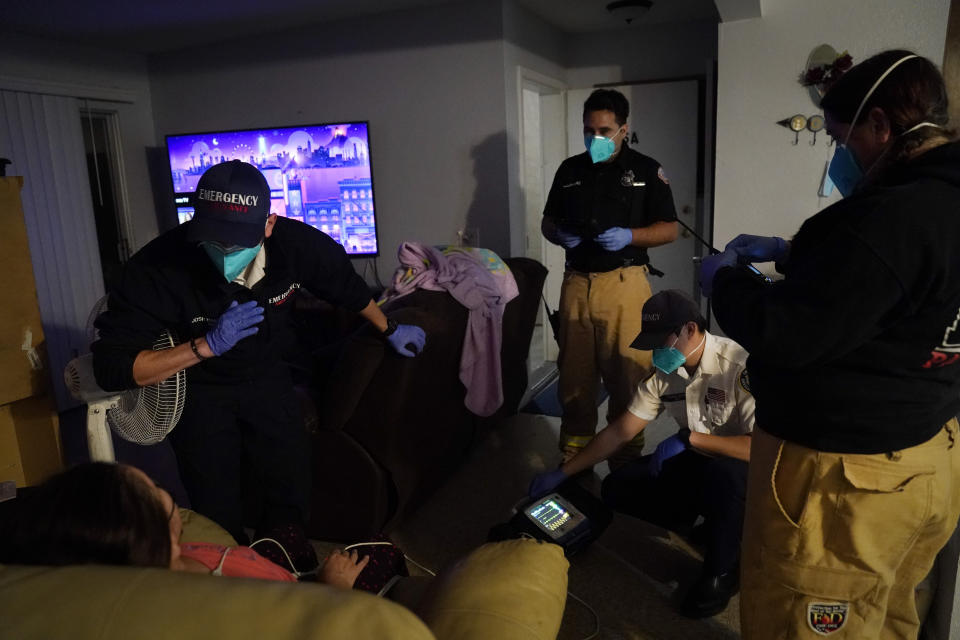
x=858, y=348
x=172, y=284
x=586, y=199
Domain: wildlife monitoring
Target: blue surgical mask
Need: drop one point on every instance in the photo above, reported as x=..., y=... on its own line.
x=601, y=148
x=844, y=171
x=669, y=359
x=231, y=263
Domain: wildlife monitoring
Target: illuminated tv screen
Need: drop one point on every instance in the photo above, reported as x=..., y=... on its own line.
x=318, y=174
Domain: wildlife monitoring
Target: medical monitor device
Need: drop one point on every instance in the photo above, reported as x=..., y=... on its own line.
x=557, y=518
x=570, y=517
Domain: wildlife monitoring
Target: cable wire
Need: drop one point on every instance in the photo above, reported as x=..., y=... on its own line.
x=292, y=566
x=596, y=618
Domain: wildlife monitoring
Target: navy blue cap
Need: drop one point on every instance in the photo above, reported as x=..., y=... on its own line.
x=663, y=313
x=231, y=205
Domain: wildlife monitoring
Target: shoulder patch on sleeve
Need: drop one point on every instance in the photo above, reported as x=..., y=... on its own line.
x=745, y=381
x=662, y=175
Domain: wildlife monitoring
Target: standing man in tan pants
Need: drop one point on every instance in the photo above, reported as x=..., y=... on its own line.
x=606, y=207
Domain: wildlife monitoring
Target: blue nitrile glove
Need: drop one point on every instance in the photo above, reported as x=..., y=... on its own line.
x=234, y=325
x=544, y=483
x=567, y=240
x=709, y=267
x=615, y=238
x=670, y=447
x=407, y=334
x=758, y=248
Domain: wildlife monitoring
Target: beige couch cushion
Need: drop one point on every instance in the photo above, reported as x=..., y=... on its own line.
x=120, y=603
x=511, y=590
x=198, y=528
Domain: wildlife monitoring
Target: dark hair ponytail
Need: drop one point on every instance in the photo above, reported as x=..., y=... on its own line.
x=93, y=513
x=912, y=93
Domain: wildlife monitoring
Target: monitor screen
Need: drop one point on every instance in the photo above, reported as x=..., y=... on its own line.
x=318, y=174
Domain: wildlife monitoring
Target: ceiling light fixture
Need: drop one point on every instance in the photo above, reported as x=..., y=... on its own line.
x=629, y=10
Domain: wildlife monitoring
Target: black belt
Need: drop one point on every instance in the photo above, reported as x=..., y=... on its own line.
x=637, y=262
x=626, y=262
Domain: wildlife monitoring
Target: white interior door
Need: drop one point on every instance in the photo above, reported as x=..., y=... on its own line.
x=663, y=125
x=543, y=148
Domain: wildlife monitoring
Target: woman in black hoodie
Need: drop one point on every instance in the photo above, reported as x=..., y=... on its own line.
x=855, y=367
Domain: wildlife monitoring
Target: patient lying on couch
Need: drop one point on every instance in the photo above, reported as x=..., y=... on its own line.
x=72, y=529
x=101, y=513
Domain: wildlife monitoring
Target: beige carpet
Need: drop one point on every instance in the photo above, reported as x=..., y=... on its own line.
x=632, y=577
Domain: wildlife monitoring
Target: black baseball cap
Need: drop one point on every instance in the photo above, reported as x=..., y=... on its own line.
x=663, y=313
x=231, y=205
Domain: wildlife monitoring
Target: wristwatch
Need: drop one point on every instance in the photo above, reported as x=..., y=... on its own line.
x=391, y=327
x=685, y=436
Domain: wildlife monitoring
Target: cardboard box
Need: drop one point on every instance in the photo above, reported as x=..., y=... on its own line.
x=23, y=359
x=29, y=441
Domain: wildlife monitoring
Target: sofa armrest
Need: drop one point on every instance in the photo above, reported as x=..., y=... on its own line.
x=510, y=590
x=199, y=528
x=519, y=320
x=116, y=603
x=358, y=363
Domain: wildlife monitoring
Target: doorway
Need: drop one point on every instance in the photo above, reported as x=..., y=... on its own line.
x=543, y=147
x=101, y=146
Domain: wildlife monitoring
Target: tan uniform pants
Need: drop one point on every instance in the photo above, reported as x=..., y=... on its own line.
x=835, y=544
x=599, y=318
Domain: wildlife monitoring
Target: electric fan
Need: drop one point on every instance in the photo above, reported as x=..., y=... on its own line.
x=144, y=415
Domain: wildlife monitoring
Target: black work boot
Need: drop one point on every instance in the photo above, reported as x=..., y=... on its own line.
x=710, y=595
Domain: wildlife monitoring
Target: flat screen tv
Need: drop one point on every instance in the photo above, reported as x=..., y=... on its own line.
x=318, y=174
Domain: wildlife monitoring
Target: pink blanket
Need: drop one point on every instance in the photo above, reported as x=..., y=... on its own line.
x=480, y=281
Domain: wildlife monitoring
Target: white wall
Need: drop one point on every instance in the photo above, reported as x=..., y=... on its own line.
x=642, y=53
x=96, y=71
x=765, y=185
x=430, y=82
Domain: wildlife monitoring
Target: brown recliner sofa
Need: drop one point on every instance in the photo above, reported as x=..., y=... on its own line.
x=388, y=431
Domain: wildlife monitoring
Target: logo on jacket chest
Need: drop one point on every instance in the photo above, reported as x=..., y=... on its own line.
x=283, y=297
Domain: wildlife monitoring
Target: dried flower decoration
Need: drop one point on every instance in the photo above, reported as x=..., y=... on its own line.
x=823, y=76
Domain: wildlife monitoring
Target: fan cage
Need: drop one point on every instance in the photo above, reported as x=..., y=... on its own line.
x=92, y=333
x=146, y=415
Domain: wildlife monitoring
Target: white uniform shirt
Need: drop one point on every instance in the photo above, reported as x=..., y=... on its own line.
x=715, y=400
x=255, y=271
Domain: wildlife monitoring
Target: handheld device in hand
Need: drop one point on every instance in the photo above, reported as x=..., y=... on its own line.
x=757, y=273
x=586, y=229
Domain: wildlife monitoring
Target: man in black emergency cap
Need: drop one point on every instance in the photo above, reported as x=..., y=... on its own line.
x=223, y=284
